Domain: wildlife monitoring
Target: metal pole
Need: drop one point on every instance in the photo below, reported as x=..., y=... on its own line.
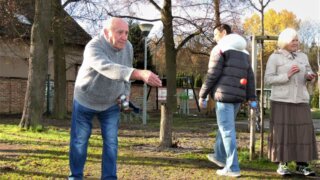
x=144, y=110
x=261, y=101
x=318, y=60
x=254, y=58
x=48, y=94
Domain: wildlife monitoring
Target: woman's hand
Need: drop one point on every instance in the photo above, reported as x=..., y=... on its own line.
x=310, y=76
x=294, y=69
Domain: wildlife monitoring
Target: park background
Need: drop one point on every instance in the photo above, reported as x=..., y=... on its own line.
x=180, y=57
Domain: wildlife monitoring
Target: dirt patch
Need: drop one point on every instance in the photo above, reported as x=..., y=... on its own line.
x=9, y=147
x=9, y=151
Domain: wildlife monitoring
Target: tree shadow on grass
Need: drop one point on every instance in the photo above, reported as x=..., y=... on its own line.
x=46, y=154
x=30, y=173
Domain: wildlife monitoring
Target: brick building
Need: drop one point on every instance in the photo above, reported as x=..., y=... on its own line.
x=15, y=29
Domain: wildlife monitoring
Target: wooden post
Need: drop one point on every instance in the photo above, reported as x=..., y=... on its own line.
x=251, y=111
x=254, y=67
x=252, y=133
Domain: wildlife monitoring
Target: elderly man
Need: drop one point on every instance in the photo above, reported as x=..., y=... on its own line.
x=105, y=75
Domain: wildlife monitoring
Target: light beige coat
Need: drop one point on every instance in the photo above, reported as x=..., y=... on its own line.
x=284, y=89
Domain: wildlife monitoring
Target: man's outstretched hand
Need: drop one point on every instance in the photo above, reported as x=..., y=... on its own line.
x=146, y=76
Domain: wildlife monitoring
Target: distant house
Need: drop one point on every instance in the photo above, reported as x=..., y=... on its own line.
x=15, y=28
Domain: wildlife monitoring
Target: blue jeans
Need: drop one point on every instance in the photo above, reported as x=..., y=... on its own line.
x=80, y=133
x=226, y=145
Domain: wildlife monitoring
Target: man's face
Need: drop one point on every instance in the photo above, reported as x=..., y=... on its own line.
x=293, y=45
x=218, y=35
x=117, y=35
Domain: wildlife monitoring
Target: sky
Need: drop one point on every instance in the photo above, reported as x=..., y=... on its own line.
x=303, y=9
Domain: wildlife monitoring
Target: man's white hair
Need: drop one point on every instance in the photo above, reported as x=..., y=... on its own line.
x=286, y=36
x=108, y=24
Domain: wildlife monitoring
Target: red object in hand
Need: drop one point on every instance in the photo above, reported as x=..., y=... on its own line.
x=243, y=81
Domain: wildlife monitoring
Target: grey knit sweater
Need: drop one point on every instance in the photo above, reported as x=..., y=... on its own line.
x=104, y=74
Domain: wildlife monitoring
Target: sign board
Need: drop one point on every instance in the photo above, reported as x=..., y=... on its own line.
x=190, y=93
x=162, y=94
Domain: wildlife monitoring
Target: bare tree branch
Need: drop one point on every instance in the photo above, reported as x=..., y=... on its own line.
x=261, y=3
x=198, y=52
x=68, y=2
x=133, y=17
x=188, y=38
x=155, y=5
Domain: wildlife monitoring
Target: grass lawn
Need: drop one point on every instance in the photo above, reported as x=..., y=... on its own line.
x=44, y=155
x=316, y=114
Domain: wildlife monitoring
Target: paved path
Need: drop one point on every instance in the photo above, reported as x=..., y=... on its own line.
x=316, y=123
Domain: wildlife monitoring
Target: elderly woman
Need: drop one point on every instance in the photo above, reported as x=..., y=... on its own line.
x=292, y=136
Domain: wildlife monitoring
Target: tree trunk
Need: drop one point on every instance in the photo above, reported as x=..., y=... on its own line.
x=165, y=128
x=38, y=66
x=170, y=55
x=217, y=11
x=59, y=110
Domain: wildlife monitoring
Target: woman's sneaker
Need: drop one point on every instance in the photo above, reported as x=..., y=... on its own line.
x=305, y=170
x=283, y=169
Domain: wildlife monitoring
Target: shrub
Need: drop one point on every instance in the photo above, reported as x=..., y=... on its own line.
x=315, y=98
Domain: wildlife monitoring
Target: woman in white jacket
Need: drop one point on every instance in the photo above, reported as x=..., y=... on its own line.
x=292, y=136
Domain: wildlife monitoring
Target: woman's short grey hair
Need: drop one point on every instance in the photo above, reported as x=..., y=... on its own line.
x=286, y=36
